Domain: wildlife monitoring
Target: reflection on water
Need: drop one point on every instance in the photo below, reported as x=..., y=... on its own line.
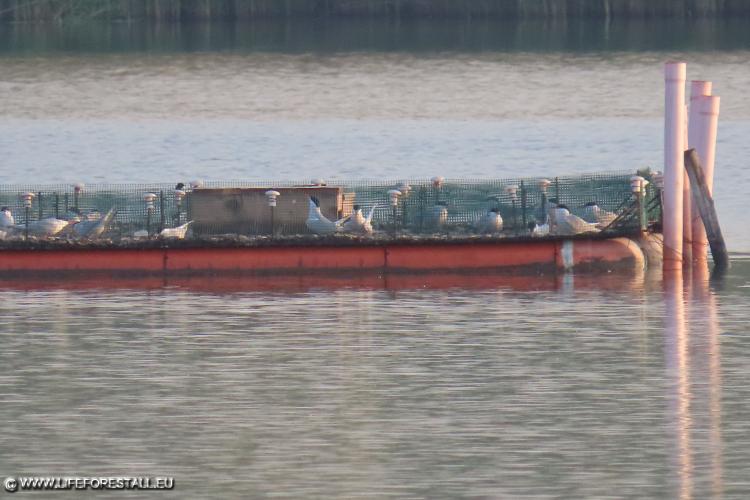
x=219, y=284
x=423, y=386
x=678, y=367
x=693, y=362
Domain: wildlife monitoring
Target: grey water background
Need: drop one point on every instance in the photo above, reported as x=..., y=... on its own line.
x=419, y=387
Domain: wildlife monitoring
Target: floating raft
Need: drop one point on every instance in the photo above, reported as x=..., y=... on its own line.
x=236, y=230
x=526, y=255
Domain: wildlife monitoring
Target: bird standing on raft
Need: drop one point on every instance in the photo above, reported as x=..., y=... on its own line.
x=46, y=228
x=92, y=228
x=439, y=215
x=357, y=223
x=593, y=213
x=319, y=223
x=178, y=232
x=6, y=222
x=491, y=222
x=539, y=229
x=567, y=224
x=6, y=218
x=42, y=228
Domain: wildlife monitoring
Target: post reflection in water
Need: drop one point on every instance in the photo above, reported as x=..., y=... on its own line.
x=706, y=319
x=693, y=364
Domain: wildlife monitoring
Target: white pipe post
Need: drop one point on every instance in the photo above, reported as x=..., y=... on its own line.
x=708, y=111
x=687, y=233
x=674, y=166
x=690, y=211
x=695, y=131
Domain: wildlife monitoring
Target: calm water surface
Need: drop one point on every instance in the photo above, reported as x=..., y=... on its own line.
x=421, y=387
x=417, y=387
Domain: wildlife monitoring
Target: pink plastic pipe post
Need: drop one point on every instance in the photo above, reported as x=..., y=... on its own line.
x=687, y=233
x=674, y=138
x=689, y=210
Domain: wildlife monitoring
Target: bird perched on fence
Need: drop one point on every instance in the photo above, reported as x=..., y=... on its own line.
x=318, y=223
x=491, y=222
x=92, y=228
x=602, y=218
x=358, y=223
x=567, y=224
x=178, y=232
x=6, y=218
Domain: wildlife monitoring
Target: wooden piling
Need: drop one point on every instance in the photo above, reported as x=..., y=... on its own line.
x=705, y=204
x=706, y=121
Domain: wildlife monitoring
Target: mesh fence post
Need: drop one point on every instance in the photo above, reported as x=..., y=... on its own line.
x=161, y=211
x=422, y=202
x=523, y=204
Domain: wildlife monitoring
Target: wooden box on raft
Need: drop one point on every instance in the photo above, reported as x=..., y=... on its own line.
x=246, y=210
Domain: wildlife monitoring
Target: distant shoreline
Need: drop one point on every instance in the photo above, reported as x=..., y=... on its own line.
x=178, y=11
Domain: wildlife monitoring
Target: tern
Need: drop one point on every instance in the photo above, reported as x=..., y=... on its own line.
x=491, y=222
x=6, y=218
x=539, y=229
x=47, y=227
x=92, y=227
x=602, y=218
x=567, y=224
x=318, y=223
x=358, y=223
x=178, y=232
x=439, y=214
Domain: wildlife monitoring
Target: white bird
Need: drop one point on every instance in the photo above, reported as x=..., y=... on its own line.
x=439, y=214
x=358, y=223
x=318, y=223
x=602, y=218
x=46, y=227
x=540, y=230
x=567, y=224
x=6, y=217
x=491, y=222
x=94, y=227
x=178, y=232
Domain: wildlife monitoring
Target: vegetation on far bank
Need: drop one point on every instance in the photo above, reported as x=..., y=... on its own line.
x=246, y=10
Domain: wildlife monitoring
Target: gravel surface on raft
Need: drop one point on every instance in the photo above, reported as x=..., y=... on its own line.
x=235, y=241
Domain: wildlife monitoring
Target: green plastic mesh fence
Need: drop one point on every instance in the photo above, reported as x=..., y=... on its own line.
x=424, y=206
